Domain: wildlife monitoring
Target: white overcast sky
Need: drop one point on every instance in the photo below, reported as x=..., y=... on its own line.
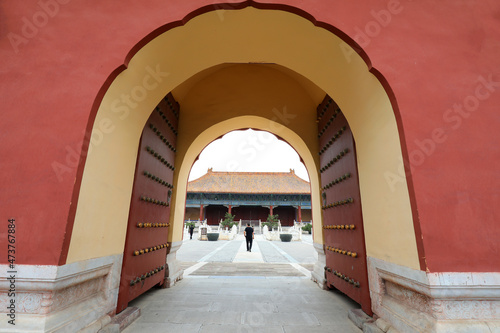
x=248, y=150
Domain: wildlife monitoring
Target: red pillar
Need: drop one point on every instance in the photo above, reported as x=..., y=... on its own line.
x=271, y=210
x=229, y=209
x=201, y=212
x=300, y=214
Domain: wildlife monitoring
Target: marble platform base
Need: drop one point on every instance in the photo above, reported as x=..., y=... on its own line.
x=174, y=272
x=318, y=273
x=69, y=298
x=416, y=301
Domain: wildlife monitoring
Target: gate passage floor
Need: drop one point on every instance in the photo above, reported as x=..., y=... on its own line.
x=227, y=289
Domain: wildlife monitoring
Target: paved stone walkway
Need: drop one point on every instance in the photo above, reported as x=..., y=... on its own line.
x=247, y=269
x=227, y=289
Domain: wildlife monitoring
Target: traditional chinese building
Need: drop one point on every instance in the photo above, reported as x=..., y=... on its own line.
x=249, y=196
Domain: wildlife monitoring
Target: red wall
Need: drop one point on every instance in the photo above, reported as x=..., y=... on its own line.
x=432, y=55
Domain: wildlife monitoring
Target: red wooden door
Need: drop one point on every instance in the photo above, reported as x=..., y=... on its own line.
x=346, y=268
x=214, y=213
x=146, y=245
x=250, y=213
x=286, y=215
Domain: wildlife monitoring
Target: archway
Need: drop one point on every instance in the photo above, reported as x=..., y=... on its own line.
x=282, y=38
x=239, y=158
x=257, y=123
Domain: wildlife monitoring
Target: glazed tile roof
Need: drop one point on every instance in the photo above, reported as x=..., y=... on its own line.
x=250, y=182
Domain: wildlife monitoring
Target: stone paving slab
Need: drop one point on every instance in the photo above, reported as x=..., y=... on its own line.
x=239, y=329
x=191, y=305
x=243, y=305
x=227, y=289
x=270, y=254
x=142, y=327
x=193, y=317
x=194, y=250
x=244, y=256
x=186, y=264
x=309, y=267
x=302, y=252
x=348, y=328
x=227, y=254
x=256, y=319
x=247, y=269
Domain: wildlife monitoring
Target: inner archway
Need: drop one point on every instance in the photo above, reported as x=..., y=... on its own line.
x=288, y=40
x=248, y=175
x=232, y=168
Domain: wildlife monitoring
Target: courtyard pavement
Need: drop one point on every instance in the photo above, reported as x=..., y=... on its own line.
x=227, y=289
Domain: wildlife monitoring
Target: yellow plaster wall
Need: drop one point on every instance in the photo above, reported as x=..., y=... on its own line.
x=205, y=41
x=266, y=91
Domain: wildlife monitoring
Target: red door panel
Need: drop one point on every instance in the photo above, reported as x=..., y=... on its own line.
x=286, y=215
x=346, y=268
x=254, y=213
x=214, y=213
x=146, y=245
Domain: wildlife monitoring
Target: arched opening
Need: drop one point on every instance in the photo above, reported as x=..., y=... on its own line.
x=249, y=193
x=302, y=56
x=248, y=150
x=259, y=123
x=250, y=175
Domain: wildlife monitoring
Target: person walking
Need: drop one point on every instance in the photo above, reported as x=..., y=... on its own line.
x=249, y=235
x=191, y=230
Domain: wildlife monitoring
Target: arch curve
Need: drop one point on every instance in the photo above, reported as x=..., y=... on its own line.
x=255, y=122
x=171, y=57
x=241, y=5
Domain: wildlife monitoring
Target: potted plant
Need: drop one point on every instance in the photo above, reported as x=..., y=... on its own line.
x=228, y=221
x=272, y=222
x=308, y=228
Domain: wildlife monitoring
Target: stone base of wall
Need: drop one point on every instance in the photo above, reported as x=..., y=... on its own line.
x=416, y=301
x=78, y=297
x=174, y=271
x=62, y=298
x=318, y=273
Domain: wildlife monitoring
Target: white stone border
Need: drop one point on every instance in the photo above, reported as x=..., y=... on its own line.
x=62, y=298
x=417, y=301
x=318, y=273
x=174, y=271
